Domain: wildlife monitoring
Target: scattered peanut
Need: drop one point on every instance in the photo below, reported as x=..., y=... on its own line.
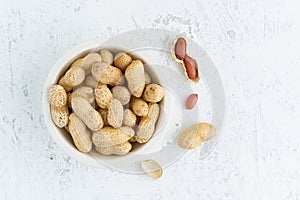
x=194, y=135
x=115, y=113
x=107, y=56
x=191, y=67
x=122, y=60
x=57, y=96
x=103, y=96
x=191, y=101
x=81, y=136
x=180, y=48
x=135, y=76
x=87, y=113
x=138, y=106
x=129, y=118
x=121, y=93
x=152, y=168
x=153, y=93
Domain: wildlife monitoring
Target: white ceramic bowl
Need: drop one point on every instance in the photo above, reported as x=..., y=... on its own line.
x=61, y=137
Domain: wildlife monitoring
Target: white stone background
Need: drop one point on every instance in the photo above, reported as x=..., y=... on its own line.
x=256, y=48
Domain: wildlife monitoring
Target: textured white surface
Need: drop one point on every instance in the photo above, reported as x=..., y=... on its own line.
x=254, y=44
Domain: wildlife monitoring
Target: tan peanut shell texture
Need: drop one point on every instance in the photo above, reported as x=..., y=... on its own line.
x=57, y=96
x=194, y=135
x=135, y=76
x=146, y=126
x=111, y=99
x=87, y=113
x=109, y=136
x=81, y=136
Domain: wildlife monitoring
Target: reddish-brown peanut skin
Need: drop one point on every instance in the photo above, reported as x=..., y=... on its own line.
x=191, y=101
x=180, y=48
x=191, y=67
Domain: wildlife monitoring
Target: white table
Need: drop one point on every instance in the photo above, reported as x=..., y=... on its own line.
x=255, y=46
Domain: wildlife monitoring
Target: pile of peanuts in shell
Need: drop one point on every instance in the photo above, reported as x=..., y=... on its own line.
x=106, y=101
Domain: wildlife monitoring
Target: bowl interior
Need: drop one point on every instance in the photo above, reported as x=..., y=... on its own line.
x=62, y=67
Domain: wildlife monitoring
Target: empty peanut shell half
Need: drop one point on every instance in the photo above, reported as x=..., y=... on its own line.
x=152, y=168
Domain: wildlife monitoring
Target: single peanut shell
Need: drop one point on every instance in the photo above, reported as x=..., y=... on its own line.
x=98, y=70
x=74, y=77
x=146, y=126
x=89, y=60
x=85, y=92
x=77, y=63
x=57, y=96
x=60, y=115
x=194, y=135
x=115, y=113
x=81, y=136
x=129, y=118
x=122, y=60
x=138, y=106
x=152, y=168
x=90, y=82
x=153, y=93
x=63, y=83
x=135, y=76
x=103, y=96
x=108, y=136
x=147, y=78
x=87, y=113
x=106, y=56
x=120, y=149
x=121, y=93
x=106, y=74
